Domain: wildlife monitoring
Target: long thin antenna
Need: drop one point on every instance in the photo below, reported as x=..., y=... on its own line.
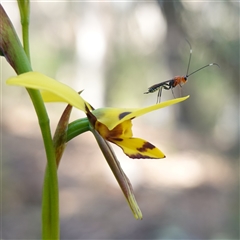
x=211, y=64
x=190, y=56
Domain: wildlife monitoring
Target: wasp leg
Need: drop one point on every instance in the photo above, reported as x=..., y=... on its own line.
x=180, y=86
x=172, y=92
x=169, y=86
x=159, y=95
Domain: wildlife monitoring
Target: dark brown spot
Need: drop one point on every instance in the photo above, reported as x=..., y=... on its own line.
x=117, y=139
x=138, y=156
x=122, y=115
x=146, y=146
x=116, y=132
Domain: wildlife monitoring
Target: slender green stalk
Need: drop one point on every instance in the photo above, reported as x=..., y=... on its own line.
x=11, y=48
x=77, y=127
x=24, y=8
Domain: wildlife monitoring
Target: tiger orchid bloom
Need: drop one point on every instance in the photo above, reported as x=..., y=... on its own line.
x=107, y=124
x=113, y=124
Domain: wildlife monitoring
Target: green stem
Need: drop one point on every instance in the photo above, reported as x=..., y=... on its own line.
x=77, y=127
x=24, y=8
x=50, y=197
x=11, y=48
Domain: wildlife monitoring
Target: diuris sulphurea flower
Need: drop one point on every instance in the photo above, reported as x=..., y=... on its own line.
x=107, y=125
x=113, y=124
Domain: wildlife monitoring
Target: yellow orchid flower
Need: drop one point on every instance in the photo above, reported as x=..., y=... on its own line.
x=113, y=124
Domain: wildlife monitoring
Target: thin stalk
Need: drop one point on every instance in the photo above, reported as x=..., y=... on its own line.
x=77, y=127
x=24, y=8
x=12, y=50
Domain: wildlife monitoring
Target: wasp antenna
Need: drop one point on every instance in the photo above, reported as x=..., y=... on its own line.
x=208, y=65
x=211, y=64
x=189, y=45
x=190, y=56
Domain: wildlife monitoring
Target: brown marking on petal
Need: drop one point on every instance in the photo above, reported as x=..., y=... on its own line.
x=138, y=156
x=145, y=147
x=123, y=114
x=117, y=139
x=116, y=132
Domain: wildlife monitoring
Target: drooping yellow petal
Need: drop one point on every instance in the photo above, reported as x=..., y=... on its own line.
x=51, y=87
x=111, y=117
x=138, y=148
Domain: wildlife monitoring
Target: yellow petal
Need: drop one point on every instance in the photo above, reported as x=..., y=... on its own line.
x=138, y=148
x=123, y=130
x=51, y=97
x=142, y=111
x=111, y=117
x=51, y=87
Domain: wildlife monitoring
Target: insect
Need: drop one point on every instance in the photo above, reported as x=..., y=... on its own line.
x=176, y=81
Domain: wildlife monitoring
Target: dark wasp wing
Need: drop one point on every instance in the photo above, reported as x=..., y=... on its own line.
x=156, y=86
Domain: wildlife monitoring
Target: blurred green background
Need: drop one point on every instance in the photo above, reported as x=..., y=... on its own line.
x=115, y=51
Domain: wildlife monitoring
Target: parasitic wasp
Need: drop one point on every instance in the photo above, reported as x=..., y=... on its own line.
x=176, y=81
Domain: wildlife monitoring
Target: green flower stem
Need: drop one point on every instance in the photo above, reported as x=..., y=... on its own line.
x=77, y=127
x=24, y=8
x=11, y=48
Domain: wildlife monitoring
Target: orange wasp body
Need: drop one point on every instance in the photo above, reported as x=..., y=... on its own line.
x=176, y=81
